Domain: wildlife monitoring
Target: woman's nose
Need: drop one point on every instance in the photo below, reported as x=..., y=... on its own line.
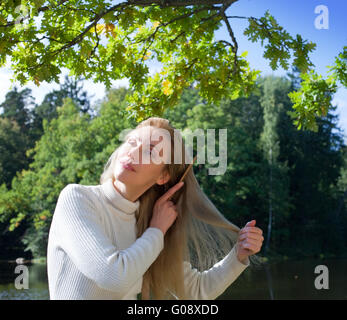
x=135, y=154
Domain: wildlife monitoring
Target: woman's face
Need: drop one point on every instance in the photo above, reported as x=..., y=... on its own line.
x=141, y=158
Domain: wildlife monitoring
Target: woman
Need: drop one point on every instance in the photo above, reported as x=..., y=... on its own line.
x=127, y=236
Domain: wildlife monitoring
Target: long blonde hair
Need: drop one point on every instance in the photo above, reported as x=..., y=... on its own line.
x=200, y=234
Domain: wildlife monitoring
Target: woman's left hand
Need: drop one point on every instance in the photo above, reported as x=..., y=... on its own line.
x=249, y=241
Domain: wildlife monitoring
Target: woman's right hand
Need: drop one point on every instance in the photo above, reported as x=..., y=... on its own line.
x=164, y=210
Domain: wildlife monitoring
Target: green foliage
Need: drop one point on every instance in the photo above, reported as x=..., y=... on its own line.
x=104, y=41
x=16, y=107
x=308, y=171
x=280, y=43
x=339, y=70
x=71, y=88
x=312, y=100
x=35, y=240
x=64, y=154
x=315, y=160
x=12, y=150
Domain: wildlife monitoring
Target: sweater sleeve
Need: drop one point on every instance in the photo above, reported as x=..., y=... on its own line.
x=83, y=239
x=210, y=284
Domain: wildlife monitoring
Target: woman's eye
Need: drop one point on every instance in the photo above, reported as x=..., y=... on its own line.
x=155, y=153
x=150, y=152
x=131, y=141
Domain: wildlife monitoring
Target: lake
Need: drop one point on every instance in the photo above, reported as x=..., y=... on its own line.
x=278, y=281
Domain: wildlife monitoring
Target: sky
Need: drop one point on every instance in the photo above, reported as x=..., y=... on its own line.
x=296, y=16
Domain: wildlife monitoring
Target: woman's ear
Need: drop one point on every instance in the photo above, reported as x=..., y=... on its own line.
x=163, y=178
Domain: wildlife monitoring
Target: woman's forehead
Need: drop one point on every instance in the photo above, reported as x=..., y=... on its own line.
x=152, y=134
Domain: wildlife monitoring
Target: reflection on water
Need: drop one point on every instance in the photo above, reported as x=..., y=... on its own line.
x=290, y=280
x=269, y=281
x=283, y=280
x=38, y=285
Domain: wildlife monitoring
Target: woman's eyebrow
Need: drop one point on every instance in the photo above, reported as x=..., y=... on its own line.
x=139, y=138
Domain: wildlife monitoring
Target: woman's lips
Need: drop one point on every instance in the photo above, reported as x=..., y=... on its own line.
x=127, y=166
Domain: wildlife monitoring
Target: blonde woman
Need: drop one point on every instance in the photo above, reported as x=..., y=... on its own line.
x=128, y=236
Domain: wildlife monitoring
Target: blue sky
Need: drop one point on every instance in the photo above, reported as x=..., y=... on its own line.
x=294, y=15
x=297, y=17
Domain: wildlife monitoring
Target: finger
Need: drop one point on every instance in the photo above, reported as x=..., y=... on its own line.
x=253, y=248
x=170, y=192
x=173, y=211
x=252, y=242
x=251, y=235
x=173, y=208
x=251, y=229
x=250, y=223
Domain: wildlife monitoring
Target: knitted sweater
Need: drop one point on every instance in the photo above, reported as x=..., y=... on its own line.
x=93, y=252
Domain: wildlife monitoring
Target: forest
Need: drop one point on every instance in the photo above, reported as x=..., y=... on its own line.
x=293, y=182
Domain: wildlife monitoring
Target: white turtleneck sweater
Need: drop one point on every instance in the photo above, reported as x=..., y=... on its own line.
x=93, y=252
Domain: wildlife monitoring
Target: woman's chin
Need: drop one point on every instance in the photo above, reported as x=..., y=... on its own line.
x=124, y=175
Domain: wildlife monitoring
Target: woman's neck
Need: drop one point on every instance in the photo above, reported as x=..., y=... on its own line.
x=127, y=191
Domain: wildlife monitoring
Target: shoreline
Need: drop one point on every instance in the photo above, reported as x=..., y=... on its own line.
x=267, y=260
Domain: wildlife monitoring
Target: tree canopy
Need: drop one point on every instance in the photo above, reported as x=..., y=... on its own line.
x=104, y=41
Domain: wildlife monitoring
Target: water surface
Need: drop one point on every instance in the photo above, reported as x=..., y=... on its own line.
x=283, y=280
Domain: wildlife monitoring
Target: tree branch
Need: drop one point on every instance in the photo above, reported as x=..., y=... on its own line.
x=96, y=45
x=176, y=3
x=91, y=25
x=42, y=9
x=203, y=5
x=235, y=46
x=186, y=15
x=237, y=17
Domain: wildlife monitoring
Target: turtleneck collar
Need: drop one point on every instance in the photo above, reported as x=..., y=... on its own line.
x=117, y=200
